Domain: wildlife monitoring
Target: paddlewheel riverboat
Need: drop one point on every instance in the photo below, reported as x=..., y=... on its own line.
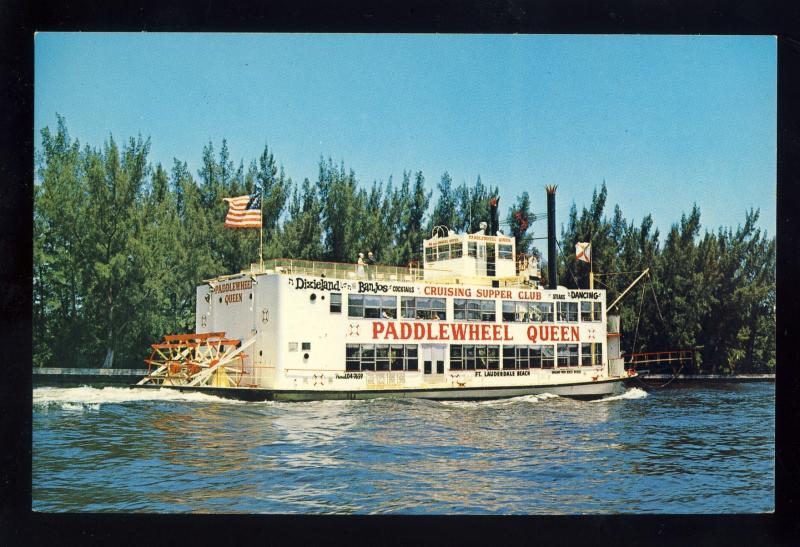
x=472, y=322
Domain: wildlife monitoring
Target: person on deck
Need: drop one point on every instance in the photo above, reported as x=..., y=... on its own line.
x=370, y=265
x=360, y=266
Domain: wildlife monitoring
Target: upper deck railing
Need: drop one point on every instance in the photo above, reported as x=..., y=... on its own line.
x=356, y=272
x=334, y=270
x=344, y=270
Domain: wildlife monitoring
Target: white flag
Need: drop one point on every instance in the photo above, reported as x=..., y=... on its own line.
x=583, y=251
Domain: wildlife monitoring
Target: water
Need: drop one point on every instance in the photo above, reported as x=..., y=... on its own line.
x=679, y=450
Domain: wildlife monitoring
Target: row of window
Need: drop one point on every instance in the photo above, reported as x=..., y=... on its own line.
x=371, y=307
x=449, y=251
x=444, y=251
x=524, y=357
x=415, y=307
x=474, y=310
x=394, y=357
x=381, y=357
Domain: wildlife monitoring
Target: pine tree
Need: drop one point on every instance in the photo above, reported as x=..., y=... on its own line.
x=445, y=211
x=302, y=232
x=520, y=218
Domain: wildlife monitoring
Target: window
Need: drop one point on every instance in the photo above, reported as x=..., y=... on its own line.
x=355, y=305
x=292, y=346
x=361, y=357
x=509, y=357
x=474, y=357
x=568, y=311
x=430, y=254
x=504, y=252
x=367, y=357
x=524, y=357
x=548, y=356
x=395, y=357
x=456, y=250
x=527, y=312
x=336, y=302
x=306, y=346
x=456, y=358
x=488, y=310
x=591, y=311
x=352, y=357
x=382, y=357
x=412, y=307
x=567, y=355
x=542, y=312
x=474, y=310
x=586, y=311
x=591, y=354
x=410, y=358
x=371, y=307
x=444, y=252
x=535, y=356
x=472, y=248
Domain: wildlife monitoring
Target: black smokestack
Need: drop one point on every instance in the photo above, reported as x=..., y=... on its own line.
x=552, y=257
x=494, y=219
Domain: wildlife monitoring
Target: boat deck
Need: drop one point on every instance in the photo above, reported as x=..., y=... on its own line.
x=378, y=272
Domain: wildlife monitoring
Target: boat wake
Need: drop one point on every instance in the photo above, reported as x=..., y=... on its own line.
x=632, y=393
x=85, y=397
x=501, y=402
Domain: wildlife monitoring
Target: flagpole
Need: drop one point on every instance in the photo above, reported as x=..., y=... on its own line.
x=591, y=270
x=261, y=235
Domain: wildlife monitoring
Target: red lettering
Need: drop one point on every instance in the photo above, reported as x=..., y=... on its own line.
x=544, y=334
x=474, y=332
x=391, y=332
x=443, y=332
x=575, y=333
x=531, y=333
x=497, y=329
x=377, y=328
x=554, y=334
x=507, y=334
x=419, y=331
x=405, y=331
x=565, y=333
x=429, y=328
x=485, y=332
x=459, y=329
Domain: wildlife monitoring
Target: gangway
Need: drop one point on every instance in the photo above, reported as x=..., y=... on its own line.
x=670, y=362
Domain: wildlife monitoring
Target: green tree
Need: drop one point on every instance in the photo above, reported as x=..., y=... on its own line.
x=520, y=218
x=445, y=211
x=338, y=196
x=302, y=233
x=114, y=182
x=60, y=250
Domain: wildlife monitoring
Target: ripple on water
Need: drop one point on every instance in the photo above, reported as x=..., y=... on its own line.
x=674, y=450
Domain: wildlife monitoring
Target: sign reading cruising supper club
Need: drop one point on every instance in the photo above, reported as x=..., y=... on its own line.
x=471, y=323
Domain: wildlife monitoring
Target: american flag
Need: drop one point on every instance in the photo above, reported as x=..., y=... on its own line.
x=244, y=212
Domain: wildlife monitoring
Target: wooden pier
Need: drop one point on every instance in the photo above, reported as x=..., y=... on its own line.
x=646, y=376
x=43, y=376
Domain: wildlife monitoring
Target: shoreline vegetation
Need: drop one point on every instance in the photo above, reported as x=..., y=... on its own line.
x=119, y=245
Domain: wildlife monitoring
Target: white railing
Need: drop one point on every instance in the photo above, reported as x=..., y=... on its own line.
x=343, y=270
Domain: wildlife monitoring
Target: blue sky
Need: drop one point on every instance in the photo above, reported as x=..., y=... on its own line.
x=665, y=120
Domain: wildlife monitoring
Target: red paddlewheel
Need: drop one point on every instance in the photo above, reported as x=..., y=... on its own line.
x=180, y=357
